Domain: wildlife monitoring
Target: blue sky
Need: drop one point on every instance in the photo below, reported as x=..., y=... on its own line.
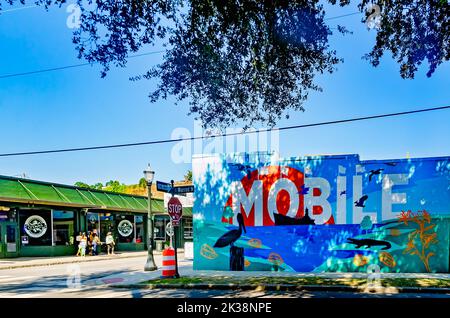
x=76, y=108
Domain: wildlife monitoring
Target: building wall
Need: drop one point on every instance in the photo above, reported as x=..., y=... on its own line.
x=391, y=214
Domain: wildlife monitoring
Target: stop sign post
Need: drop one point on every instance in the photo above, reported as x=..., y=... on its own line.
x=175, y=210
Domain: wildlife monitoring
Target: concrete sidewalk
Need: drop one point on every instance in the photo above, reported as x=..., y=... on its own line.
x=19, y=262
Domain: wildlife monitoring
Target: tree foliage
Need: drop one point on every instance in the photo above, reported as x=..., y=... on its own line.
x=115, y=186
x=413, y=31
x=250, y=61
x=97, y=186
x=188, y=176
x=142, y=183
x=246, y=61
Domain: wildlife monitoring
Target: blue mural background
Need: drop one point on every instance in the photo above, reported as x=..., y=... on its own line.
x=325, y=247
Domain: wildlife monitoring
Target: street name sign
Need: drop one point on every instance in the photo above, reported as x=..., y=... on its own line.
x=163, y=186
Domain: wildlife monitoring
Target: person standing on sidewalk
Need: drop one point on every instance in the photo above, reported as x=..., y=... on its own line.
x=95, y=242
x=110, y=243
x=78, y=239
x=83, y=244
x=89, y=243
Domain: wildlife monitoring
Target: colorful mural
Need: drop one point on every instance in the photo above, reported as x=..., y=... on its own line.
x=323, y=213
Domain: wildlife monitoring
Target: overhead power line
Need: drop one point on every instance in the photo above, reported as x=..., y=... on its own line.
x=342, y=16
x=223, y=135
x=17, y=9
x=85, y=64
x=69, y=66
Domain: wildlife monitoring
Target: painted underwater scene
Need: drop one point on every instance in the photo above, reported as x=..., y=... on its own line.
x=314, y=248
x=321, y=214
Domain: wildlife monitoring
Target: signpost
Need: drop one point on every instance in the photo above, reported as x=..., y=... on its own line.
x=175, y=210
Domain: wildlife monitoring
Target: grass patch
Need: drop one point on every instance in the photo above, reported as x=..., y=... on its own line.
x=299, y=281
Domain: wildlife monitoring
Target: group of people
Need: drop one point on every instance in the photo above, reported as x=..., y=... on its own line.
x=92, y=244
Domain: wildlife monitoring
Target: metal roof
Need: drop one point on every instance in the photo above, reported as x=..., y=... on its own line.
x=33, y=192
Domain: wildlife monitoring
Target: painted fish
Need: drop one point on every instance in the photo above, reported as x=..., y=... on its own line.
x=387, y=259
x=360, y=260
x=208, y=252
x=395, y=232
x=254, y=242
x=275, y=258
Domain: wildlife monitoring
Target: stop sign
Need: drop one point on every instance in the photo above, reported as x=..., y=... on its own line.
x=175, y=210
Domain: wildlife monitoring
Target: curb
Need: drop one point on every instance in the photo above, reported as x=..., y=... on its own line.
x=281, y=287
x=81, y=260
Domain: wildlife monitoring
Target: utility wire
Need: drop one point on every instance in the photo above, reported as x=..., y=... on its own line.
x=342, y=16
x=69, y=66
x=85, y=64
x=223, y=135
x=17, y=9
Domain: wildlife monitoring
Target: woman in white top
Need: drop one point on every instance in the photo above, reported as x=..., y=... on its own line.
x=110, y=243
x=83, y=244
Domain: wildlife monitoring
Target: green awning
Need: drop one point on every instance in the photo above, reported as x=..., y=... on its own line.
x=24, y=191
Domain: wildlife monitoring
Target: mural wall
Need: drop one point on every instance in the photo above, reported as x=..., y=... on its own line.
x=326, y=213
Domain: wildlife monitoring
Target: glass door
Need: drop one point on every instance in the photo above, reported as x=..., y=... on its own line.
x=8, y=239
x=106, y=225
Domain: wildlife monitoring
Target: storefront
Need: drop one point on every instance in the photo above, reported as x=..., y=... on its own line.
x=43, y=219
x=184, y=231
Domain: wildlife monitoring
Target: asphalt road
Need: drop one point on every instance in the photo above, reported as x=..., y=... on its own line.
x=95, y=277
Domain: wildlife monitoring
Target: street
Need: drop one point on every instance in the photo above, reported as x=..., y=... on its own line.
x=95, y=278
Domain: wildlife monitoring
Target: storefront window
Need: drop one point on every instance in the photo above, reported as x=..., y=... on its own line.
x=36, y=226
x=106, y=225
x=188, y=229
x=160, y=228
x=125, y=228
x=63, y=227
x=139, y=221
x=93, y=221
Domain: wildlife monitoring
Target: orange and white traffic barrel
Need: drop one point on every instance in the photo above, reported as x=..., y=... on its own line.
x=168, y=262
